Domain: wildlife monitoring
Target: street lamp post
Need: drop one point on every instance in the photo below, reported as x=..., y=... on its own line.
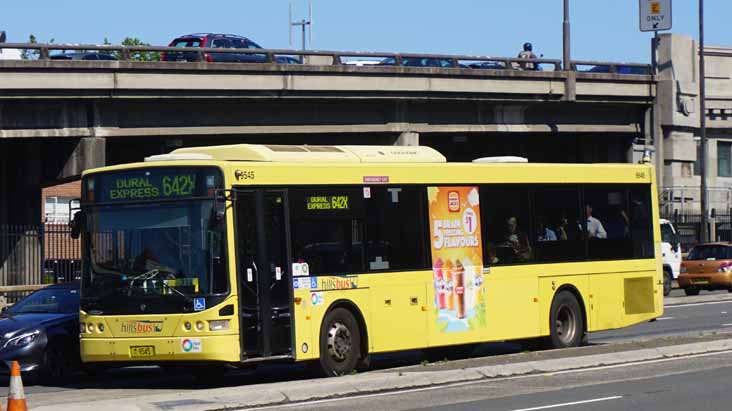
x=565, y=37
x=702, y=130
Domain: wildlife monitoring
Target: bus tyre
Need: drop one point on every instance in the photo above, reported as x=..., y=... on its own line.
x=667, y=279
x=566, y=322
x=340, y=343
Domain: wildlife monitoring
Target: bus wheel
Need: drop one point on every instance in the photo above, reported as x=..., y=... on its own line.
x=667, y=279
x=566, y=326
x=340, y=343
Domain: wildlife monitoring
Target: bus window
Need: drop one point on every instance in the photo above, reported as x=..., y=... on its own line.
x=641, y=222
x=327, y=229
x=395, y=228
x=606, y=222
x=558, y=227
x=505, y=219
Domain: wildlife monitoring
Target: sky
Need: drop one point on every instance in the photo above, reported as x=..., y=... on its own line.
x=601, y=30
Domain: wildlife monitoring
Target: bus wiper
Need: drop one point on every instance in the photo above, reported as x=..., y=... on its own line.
x=151, y=275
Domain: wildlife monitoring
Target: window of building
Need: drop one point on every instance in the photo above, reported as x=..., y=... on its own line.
x=395, y=228
x=56, y=210
x=724, y=159
x=697, y=162
x=558, y=234
x=506, y=225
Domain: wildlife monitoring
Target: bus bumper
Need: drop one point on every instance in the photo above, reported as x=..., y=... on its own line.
x=224, y=348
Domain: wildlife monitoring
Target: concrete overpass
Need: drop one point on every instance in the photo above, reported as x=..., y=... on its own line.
x=60, y=117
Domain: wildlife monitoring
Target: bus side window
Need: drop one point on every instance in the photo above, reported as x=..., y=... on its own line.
x=505, y=220
x=395, y=229
x=557, y=224
x=641, y=222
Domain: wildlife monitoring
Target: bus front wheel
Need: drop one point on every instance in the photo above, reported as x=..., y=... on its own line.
x=340, y=343
x=566, y=326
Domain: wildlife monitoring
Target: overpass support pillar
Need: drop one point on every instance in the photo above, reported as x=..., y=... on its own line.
x=407, y=138
x=20, y=183
x=90, y=152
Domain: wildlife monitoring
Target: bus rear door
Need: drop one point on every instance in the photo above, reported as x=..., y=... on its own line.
x=263, y=253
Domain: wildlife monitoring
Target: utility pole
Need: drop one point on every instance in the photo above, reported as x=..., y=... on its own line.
x=303, y=23
x=565, y=37
x=703, y=130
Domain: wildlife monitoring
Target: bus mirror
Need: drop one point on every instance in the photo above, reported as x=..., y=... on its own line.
x=77, y=224
x=220, y=198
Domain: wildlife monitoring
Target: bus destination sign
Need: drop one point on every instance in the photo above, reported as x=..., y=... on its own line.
x=149, y=185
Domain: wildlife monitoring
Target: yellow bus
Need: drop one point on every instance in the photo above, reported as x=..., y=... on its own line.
x=241, y=254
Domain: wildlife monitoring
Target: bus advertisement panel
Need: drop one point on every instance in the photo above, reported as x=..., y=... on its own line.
x=457, y=257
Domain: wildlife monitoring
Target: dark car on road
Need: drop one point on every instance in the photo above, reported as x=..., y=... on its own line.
x=214, y=40
x=41, y=332
x=83, y=55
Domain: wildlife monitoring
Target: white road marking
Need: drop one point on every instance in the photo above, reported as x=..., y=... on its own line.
x=485, y=380
x=697, y=304
x=727, y=325
x=664, y=318
x=723, y=312
x=567, y=404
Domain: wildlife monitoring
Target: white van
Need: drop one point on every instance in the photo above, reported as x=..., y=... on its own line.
x=671, y=252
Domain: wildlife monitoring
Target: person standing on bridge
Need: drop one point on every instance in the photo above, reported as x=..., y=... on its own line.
x=527, y=54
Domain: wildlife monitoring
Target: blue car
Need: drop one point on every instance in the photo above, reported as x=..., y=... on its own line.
x=41, y=332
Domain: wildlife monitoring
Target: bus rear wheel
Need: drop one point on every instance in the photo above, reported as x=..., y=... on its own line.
x=566, y=322
x=340, y=343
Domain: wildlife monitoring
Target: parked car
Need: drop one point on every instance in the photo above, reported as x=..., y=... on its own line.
x=41, y=332
x=83, y=55
x=707, y=267
x=214, y=40
x=671, y=254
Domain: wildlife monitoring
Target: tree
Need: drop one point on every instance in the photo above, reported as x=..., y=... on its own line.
x=140, y=56
x=28, y=54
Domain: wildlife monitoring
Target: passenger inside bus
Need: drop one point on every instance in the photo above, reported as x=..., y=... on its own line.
x=595, y=229
x=516, y=240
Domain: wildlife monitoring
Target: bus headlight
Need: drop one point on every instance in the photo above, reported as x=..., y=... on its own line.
x=82, y=328
x=90, y=327
x=199, y=325
x=218, y=325
x=187, y=326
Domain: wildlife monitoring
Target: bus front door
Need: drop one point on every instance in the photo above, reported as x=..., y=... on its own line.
x=265, y=292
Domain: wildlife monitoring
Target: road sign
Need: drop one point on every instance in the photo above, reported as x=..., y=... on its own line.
x=655, y=15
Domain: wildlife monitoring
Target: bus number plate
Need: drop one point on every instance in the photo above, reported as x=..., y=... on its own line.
x=142, y=351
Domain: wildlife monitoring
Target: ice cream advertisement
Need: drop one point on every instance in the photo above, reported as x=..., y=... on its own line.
x=457, y=258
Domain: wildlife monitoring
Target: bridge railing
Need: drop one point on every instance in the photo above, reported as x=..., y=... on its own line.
x=353, y=58
x=611, y=67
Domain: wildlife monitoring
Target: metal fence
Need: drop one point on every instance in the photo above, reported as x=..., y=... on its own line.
x=688, y=227
x=20, y=257
x=274, y=56
x=41, y=254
